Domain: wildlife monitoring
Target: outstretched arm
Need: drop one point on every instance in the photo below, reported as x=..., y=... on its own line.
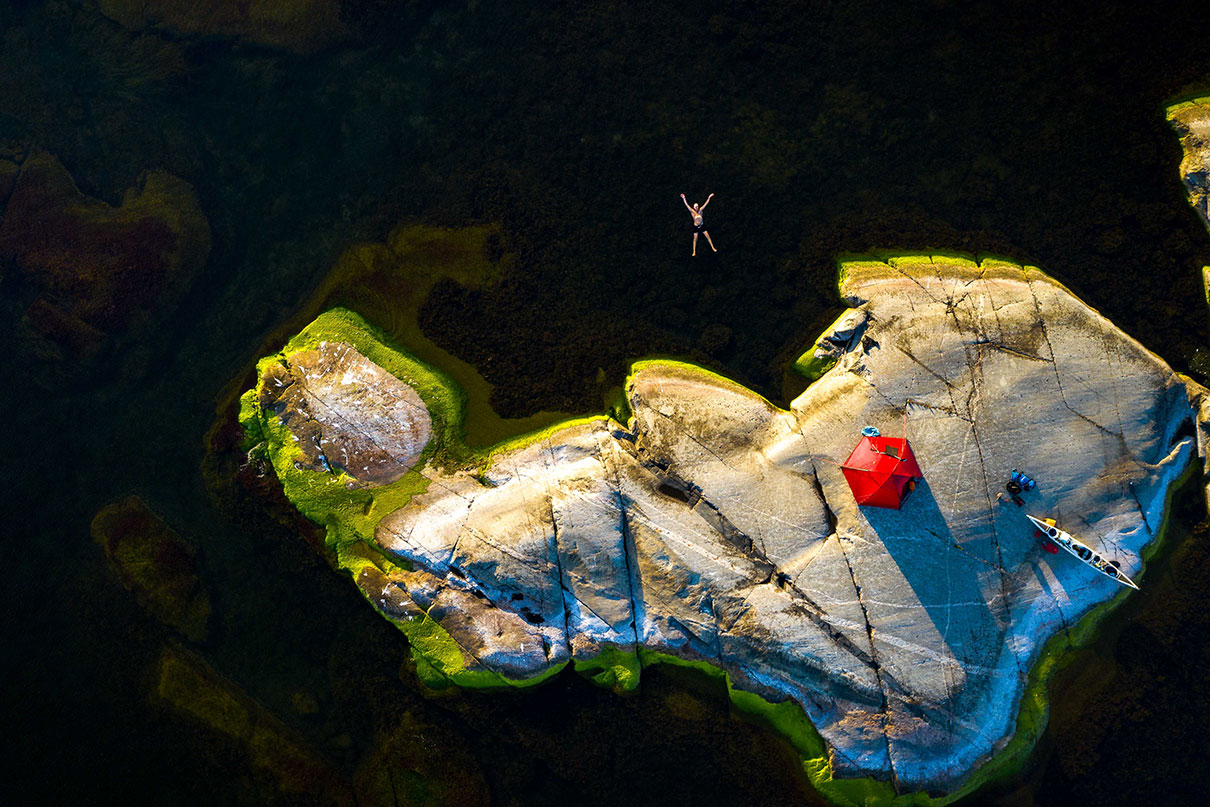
x=690, y=209
x=708, y=198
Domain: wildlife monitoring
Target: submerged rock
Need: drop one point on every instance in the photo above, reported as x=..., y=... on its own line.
x=155, y=563
x=283, y=764
x=302, y=26
x=716, y=527
x=92, y=270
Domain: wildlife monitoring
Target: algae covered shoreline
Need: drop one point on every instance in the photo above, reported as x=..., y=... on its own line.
x=350, y=520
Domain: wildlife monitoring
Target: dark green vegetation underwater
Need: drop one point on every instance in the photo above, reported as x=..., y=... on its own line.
x=823, y=129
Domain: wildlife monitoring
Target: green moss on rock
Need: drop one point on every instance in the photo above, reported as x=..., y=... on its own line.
x=349, y=512
x=612, y=668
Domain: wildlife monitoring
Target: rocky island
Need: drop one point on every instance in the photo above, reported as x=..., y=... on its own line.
x=700, y=524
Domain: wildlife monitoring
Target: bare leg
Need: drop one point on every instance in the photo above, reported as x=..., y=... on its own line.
x=708, y=241
x=695, y=245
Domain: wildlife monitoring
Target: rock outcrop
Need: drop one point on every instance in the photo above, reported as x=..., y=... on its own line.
x=1191, y=120
x=716, y=527
x=1192, y=123
x=302, y=26
x=348, y=413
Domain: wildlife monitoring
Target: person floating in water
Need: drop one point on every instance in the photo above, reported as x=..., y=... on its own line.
x=699, y=223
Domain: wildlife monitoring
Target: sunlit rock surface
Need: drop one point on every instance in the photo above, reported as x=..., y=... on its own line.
x=718, y=527
x=1192, y=123
x=347, y=413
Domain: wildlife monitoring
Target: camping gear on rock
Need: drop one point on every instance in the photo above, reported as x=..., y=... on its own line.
x=881, y=471
x=1018, y=482
x=1058, y=538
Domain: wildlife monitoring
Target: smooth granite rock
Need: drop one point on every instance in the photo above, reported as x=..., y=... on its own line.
x=347, y=413
x=717, y=527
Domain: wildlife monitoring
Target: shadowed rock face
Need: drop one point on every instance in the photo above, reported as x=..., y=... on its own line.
x=715, y=526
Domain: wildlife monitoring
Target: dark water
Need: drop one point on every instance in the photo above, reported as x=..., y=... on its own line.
x=823, y=128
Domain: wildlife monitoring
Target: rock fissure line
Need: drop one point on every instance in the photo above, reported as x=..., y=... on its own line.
x=1011, y=350
x=952, y=412
x=542, y=567
x=976, y=374
x=564, y=592
x=403, y=400
x=692, y=437
x=1055, y=365
x=964, y=550
x=975, y=371
x=884, y=706
x=948, y=385
x=629, y=550
x=920, y=285
x=873, y=386
x=829, y=514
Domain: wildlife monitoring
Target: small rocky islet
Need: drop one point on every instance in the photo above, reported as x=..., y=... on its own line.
x=701, y=524
x=904, y=652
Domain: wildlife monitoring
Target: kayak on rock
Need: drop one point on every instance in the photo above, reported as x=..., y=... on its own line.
x=1053, y=538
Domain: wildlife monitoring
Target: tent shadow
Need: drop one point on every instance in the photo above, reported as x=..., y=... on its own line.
x=950, y=581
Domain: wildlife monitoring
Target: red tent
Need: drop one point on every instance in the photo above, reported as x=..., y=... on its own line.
x=881, y=471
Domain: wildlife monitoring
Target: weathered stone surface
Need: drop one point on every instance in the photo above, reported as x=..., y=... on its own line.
x=347, y=413
x=716, y=526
